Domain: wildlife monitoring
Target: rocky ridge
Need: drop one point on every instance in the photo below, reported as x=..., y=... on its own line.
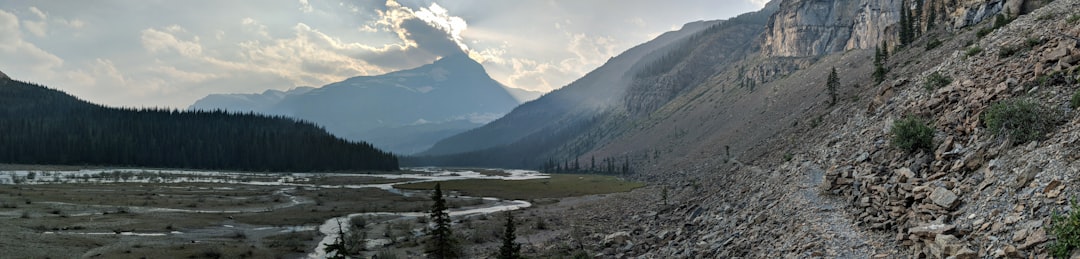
x=813, y=28
x=838, y=188
x=975, y=194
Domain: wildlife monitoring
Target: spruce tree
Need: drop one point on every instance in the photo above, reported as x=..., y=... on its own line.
x=831, y=85
x=509, y=249
x=441, y=244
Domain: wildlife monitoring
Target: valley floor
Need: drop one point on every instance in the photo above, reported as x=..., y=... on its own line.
x=135, y=213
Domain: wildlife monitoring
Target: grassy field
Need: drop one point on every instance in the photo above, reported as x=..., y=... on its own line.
x=558, y=186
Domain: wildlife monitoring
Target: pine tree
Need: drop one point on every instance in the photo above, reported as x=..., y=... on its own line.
x=880, y=55
x=442, y=244
x=509, y=249
x=831, y=85
x=930, y=18
x=884, y=51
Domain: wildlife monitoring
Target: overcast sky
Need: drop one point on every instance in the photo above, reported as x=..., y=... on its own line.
x=160, y=53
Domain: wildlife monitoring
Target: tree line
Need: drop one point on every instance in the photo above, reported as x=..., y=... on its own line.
x=608, y=165
x=45, y=126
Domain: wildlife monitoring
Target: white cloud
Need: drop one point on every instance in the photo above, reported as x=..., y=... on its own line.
x=41, y=15
x=19, y=56
x=440, y=18
x=305, y=6
x=236, y=47
x=73, y=23
x=759, y=3
x=157, y=41
x=38, y=27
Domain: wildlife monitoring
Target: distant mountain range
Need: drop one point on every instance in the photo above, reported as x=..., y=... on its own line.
x=403, y=112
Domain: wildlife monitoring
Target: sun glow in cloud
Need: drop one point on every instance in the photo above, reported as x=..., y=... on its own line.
x=122, y=55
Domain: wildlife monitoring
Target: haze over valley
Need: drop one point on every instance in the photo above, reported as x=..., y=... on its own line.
x=540, y=129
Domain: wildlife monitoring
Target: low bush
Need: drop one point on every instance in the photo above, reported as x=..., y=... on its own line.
x=1032, y=42
x=936, y=80
x=912, y=134
x=1073, y=18
x=1067, y=230
x=933, y=43
x=1021, y=120
x=1008, y=51
x=1075, y=102
x=973, y=50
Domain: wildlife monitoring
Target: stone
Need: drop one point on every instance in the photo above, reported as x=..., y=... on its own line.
x=931, y=231
x=945, y=245
x=966, y=253
x=616, y=238
x=904, y=174
x=1035, y=238
x=943, y=197
x=1055, y=54
x=1011, y=251
x=1069, y=60
x=1053, y=189
x=1019, y=235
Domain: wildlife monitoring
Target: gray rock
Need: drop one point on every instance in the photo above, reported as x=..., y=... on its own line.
x=1055, y=54
x=616, y=238
x=931, y=230
x=943, y=197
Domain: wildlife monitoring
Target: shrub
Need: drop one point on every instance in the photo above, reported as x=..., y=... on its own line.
x=1000, y=21
x=1032, y=42
x=1073, y=18
x=1008, y=51
x=936, y=80
x=973, y=50
x=1075, y=102
x=933, y=43
x=1067, y=230
x=983, y=32
x=912, y=134
x=1022, y=120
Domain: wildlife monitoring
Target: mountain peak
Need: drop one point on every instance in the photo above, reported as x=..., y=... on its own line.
x=457, y=60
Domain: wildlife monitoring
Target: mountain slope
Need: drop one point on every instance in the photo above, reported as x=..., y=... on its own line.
x=246, y=102
x=779, y=172
x=403, y=112
x=44, y=126
x=570, y=121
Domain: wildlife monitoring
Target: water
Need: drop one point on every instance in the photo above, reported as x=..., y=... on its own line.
x=329, y=228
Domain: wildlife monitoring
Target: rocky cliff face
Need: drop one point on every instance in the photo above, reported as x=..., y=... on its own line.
x=804, y=179
x=815, y=27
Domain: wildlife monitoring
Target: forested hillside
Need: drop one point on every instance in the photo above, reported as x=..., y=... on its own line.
x=44, y=126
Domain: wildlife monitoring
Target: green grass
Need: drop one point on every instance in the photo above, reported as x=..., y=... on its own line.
x=559, y=185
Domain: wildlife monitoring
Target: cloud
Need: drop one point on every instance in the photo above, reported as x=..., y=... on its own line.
x=440, y=18
x=305, y=7
x=759, y=3
x=22, y=56
x=159, y=41
x=40, y=26
x=201, y=47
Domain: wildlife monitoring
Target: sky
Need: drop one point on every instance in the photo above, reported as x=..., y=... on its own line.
x=160, y=53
